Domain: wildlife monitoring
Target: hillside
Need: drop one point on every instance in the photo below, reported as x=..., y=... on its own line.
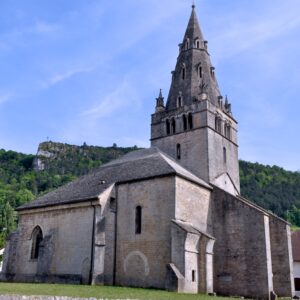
x=24, y=177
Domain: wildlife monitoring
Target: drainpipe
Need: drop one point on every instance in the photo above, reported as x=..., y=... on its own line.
x=115, y=238
x=93, y=244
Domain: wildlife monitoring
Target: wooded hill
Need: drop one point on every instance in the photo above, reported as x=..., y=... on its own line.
x=23, y=177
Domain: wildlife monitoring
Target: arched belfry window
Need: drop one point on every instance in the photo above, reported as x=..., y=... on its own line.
x=218, y=124
x=138, y=220
x=227, y=130
x=37, y=238
x=173, y=125
x=179, y=101
x=224, y=155
x=190, y=121
x=187, y=44
x=184, y=121
x=197, y=43
x=168, y=127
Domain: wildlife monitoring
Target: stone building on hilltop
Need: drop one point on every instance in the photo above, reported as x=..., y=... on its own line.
x=168, y=217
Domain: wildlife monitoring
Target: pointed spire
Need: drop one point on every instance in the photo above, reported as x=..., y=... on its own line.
x=194, y=75
x=160, y=106
x=160, y=94
x=193, y=30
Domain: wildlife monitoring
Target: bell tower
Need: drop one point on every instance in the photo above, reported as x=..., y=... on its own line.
x=196, y=125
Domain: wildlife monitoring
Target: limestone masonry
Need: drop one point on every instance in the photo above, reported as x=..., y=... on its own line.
x=168, y=217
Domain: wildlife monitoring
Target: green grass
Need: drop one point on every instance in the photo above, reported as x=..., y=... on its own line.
x=96, y=292
x=294, y=228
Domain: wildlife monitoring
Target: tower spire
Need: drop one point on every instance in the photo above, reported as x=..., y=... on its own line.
x=193, y=70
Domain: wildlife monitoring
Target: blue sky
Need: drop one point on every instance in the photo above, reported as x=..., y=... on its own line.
x=89, y=70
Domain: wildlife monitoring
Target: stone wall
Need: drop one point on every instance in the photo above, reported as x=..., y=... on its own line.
x=67, y=239
x=142, y=258
x=201, y=147
x=242, y=258
x=193, y=204
x=281, y=257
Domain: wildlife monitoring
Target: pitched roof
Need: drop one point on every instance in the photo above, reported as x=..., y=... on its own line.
x=296, y=245
x=136, y=165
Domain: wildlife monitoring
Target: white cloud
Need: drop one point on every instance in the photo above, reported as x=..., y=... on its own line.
x=66, y=75
x=123, y=96
x=248, y=32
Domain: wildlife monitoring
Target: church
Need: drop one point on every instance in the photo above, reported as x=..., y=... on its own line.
x=168, y=217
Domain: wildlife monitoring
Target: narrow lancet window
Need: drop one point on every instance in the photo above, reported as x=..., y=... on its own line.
x=138, y=220
x=178, y=151
x=200, y=72
x=190, y=121
x=184, y=121
x=168, y=127
x=212, y=72
x=193, y=275
x=224, y=155
x=179, y=101
x=183, y=73
x=197, y=44
x=37, y=238
x=173, y=125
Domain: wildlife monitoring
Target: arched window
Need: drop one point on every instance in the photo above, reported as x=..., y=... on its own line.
x=37, y=238
x=200, y=72
x=227, y=130
x=183, y=73
x=179, y=101
x=178, y=151
x=212, y=72
x=218, y=124
x=224, y=155
x=173, y=123
x=187, y=44
x=190, y=121
x=138, y=220
x=184, y=121
x=168, y=127
x=197, y=44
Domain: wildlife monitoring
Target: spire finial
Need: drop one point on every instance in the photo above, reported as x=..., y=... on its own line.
x=193, y=5
x=160, y=93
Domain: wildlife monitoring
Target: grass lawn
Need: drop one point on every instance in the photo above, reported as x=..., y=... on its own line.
x=96, y=292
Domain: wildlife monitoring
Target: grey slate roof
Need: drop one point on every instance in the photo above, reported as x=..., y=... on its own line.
x=136, y=165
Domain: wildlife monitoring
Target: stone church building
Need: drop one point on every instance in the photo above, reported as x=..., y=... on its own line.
x=168, y=217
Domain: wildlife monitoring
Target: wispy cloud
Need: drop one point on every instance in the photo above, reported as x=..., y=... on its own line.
x=123, y=96
x=240, y=35
x=5, y=97
x=44, y=27
x=59, y=77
